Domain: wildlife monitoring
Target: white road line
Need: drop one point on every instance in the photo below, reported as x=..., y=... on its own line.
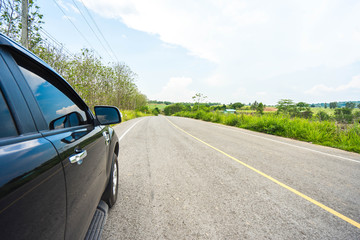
x=292, y=145
x=123, y=135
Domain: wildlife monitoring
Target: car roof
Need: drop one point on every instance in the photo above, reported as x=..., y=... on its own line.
x=5, y=41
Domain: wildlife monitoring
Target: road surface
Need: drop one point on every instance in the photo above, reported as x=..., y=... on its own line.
x=188, y=179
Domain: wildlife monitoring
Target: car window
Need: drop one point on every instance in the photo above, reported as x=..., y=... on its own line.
x=59, y=111
x=8, y=128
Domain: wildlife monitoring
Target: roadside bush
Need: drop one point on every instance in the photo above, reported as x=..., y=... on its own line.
x=349, y=139
x=216, y=117
x=344, y=115
x=131, y=114
x=155, y=111
x=177, y=107
x=231, y=120
x=322, y=116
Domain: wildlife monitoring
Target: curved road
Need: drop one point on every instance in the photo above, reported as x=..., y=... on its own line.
x=187, y=179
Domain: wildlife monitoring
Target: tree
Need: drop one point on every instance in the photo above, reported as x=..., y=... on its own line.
x=254, y=105
x=301, y=109
x=177, y=107
x=144, y=109
x=344, y=115
x=333, y=105
x=11, y=25
x=198, y=98
x=155, y=111
x=302, y=106
x=325, y=105
x=236, y=105
x=350, y=105
x=285, y=106
x=260, y=108
x=95, y=82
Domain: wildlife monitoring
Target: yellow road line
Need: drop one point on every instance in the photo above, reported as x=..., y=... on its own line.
x=330, y=210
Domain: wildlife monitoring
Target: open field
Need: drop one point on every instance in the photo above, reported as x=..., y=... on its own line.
x=159, y=106
x=328, y=110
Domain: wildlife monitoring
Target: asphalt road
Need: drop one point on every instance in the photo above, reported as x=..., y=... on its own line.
x=187, y=179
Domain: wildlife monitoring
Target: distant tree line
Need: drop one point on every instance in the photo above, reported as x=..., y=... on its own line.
x=333, y=105
x=345, y=114
x=159, y=102
x=189, y=103
x=285, y=107
x=95, y=82
x=206, y=107
x=289, y=107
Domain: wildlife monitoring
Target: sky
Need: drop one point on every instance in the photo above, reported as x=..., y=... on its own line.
x=230, y=51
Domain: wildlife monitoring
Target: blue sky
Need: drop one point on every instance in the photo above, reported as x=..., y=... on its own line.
x=230, y=51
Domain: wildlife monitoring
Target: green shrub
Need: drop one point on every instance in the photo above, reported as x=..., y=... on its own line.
x=231, y=120
x=323, y=116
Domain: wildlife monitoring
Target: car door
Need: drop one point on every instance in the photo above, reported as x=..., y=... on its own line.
x=32, y=183
x=81, y=144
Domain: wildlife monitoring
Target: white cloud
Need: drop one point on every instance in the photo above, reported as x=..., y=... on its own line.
x=195, y=25
x=66, y=110
x=354, y=84
x=249, y=41
x=176, y=90
x=305, y=33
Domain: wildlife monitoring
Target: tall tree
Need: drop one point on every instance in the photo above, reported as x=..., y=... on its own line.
x=198, y=98
x=285, y=106
x=350, y=105
x=11, y=22
x=333, y=105
x=260, y=108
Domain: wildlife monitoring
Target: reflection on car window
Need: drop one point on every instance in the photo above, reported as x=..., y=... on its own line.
x=59, y=111
x=8, y=128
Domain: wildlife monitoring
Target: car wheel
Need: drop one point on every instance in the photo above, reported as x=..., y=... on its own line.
x=112, y=188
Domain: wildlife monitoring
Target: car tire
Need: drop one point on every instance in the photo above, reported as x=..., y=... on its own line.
x=112, y=187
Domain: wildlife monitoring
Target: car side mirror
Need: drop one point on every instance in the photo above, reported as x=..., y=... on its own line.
x=107, y=115
x=69, y=120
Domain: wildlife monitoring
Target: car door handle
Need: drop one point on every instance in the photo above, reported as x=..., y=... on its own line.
x=107, y=137
x=78, y=157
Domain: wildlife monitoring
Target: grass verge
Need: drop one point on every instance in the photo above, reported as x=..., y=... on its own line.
x=326, y=133
x=131, y=114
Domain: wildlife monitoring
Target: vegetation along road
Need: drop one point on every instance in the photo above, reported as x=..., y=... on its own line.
x=187, y=179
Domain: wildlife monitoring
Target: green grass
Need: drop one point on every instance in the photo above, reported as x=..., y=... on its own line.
x=131, y=114
x=328, y=110
x=159, y=106
x=325, y=133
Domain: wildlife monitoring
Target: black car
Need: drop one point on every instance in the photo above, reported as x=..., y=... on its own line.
x=58, y=160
